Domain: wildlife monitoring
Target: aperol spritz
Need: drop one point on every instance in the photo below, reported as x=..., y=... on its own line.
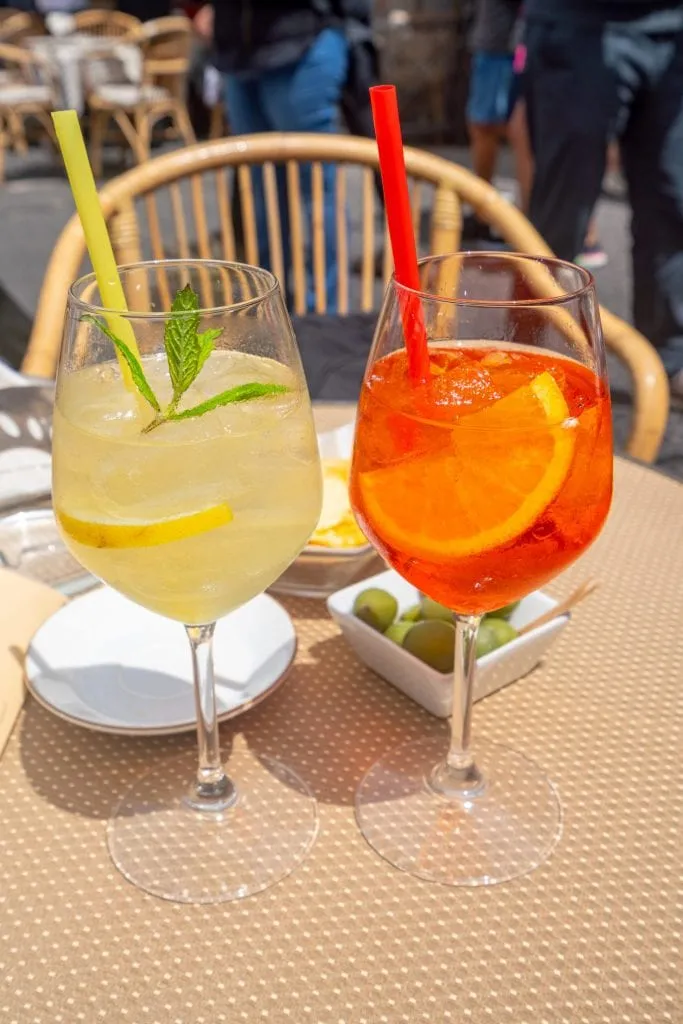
x=478, y=479
x=486, y=480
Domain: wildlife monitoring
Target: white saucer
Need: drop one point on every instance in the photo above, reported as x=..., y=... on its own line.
x=105, y=663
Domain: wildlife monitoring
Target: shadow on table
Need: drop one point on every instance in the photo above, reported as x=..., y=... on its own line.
x=82, y=771
x=325, y=722
x=333, y=720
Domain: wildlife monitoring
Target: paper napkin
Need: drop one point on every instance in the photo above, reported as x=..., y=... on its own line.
x=24, y=606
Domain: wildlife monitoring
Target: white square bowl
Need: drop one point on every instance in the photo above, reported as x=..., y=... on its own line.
x=432, y=689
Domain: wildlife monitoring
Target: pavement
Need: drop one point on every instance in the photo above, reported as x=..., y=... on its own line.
x=35, y=204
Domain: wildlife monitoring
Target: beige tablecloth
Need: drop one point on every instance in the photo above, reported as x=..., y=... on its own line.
x=588, y=938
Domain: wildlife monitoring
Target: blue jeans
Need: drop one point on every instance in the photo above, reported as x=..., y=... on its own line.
x=301, y=97
x=492, y=88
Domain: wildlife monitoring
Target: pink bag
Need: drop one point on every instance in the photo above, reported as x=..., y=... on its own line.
x=519, y=59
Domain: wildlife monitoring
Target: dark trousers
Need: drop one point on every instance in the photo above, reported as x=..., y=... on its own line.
x=363, y=72
x=586, y=83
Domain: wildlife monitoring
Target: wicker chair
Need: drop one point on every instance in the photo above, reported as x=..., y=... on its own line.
x=166, y=48
x=187, y=191
x=21, y=26
x=7, y=12
x=28, y=93
x=107, y=24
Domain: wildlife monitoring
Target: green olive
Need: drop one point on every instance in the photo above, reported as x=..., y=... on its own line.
x=433, y=642
x=376, y=607
x=397, y=631
x=494, y=633
x=433, y=610
x=412, y=614
x=503, y=613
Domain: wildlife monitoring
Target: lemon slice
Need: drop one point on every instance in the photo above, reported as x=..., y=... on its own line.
x=337, y=527
x=336, y=504
x=142, y=534
x=503, y=467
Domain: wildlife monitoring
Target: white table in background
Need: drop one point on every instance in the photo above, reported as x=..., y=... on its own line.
x=74, y=56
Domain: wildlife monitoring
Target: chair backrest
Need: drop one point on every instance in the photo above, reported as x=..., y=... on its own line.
x=13, y=56
x=31, y=67
x=107, y=23
x=21, y=26
x=166, y=52
x=180, y=205
x=167, y=39
x=8, y=12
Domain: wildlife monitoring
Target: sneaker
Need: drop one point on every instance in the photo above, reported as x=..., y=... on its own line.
x=593, y=257
x=614, y=185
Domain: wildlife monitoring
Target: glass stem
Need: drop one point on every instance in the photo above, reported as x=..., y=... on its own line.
x=213, y=790
x=458, y=775
x=459, y=754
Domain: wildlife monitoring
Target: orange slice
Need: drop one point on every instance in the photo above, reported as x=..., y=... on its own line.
x=143, y=534
x=502, y=468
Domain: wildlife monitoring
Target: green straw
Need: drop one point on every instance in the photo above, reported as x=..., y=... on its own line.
x=82, y=182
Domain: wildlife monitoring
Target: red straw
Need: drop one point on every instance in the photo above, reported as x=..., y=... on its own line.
x=399, y=218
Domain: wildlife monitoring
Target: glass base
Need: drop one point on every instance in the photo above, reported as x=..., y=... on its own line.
x=164, y=845
x=504, y=826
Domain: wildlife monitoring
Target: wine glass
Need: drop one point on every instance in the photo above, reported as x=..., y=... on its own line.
x=478, y=480
x=186, y=476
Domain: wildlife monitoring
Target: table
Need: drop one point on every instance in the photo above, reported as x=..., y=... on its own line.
x=588, y=938
x=103, y=56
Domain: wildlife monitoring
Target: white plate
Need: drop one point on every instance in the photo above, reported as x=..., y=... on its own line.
x=105, y=663
x=432, y=689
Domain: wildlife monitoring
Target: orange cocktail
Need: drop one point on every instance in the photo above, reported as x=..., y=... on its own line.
x=484, y=481
x=481, y=469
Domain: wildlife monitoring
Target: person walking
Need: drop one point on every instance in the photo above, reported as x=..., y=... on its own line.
x=284, y=66
x=363, y=68
x=613, y=69
x=492, y=99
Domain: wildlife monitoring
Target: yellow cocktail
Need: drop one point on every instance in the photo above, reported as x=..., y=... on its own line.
x=186, y=476
x=195, y=518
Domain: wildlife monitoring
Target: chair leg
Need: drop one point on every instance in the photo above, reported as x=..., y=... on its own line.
x=183, y=123
x=143, y=130
x=46, y=122
x=50, y=128
x=217, y=126
x=124, y=122
x=17, y=131
x=98, y=122
x=3, y=146
x=49, y=136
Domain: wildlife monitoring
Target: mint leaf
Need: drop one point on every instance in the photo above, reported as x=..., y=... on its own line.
x=136, y=371
x=181, y=341
x=186, y=352
x=241, y=393
x=206, y=340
